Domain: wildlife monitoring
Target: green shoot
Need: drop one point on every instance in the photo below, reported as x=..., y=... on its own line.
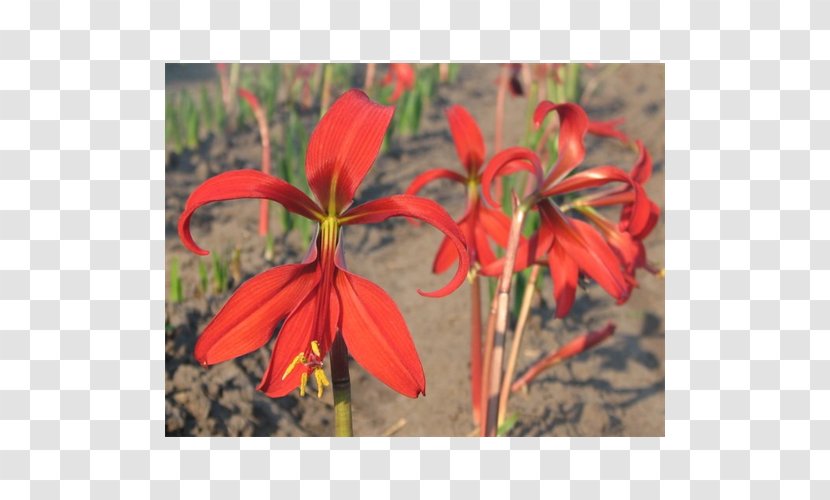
x=220, y=275
x=176, y=294
x=203, y=278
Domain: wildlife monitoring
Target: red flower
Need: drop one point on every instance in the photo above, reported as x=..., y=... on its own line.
x=570, y=246
x=319, y=298
x=402, y=75
x=479, y=222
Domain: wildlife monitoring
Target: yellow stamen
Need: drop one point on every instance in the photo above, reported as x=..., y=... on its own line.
x=300, y=358
x=303, y=383
x=322, y=381
x=315, y=348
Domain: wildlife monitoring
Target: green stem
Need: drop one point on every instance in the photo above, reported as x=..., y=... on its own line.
x=341, y=387
x=325, y=99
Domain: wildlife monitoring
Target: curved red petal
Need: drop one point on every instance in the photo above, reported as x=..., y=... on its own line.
x=593, y=177
x=422, y=209
x=444, y=257
x=515, y=158
x=431, y=175
x=589, y=250
x=640, y=220
x=243, y=184
x=641, y=172
x=469, y=143
x=247, y=321
x=376, y=335
x=447, y=254
x=608, y=129
x=565, y=274
x=302, y=326
x=343, y=147
x=573, y=124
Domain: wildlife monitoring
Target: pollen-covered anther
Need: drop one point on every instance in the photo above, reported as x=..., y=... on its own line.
x=322, y=381
x=300, y=358
x=310, y=362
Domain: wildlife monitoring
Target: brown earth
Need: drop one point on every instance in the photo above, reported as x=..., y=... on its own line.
x=617, y=389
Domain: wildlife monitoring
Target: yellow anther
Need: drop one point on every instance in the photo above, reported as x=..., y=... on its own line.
x=315, y=348
x=300, y=358
x=322, y=381
x=303, y=383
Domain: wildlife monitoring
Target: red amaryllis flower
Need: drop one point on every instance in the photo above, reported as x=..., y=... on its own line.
x=570, y=246
x=319, y=298
x=479, y=222
x=402, y=75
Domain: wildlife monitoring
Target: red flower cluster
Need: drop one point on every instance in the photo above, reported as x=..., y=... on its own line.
x=608, y=253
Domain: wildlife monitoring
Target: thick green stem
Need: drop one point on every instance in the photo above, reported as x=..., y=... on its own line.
x=341, y=387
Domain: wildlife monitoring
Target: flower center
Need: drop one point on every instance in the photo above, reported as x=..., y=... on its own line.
x=313, y=362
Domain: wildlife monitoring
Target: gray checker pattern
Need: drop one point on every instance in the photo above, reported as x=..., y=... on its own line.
x=747, y=250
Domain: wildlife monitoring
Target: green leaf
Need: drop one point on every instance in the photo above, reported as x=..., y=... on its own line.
x=203, y=278
x=176, y=294
x=508, y=424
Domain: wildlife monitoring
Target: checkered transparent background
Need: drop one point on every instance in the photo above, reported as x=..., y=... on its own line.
x=747, y=250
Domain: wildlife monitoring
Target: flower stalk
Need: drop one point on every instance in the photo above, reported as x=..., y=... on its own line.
x=341, y=388
x=518, y=333
x=475, y=345
x=502, y=316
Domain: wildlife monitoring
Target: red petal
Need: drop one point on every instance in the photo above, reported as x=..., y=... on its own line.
x=495, y=224
x=510, y=156
x=593, y=177
x=343, y=148
x=608, y=129
x=417, y=208
x=589, y=250
x=565, y=274
x=484, y=253
x=247, y=320
x=445, y=256
x=530, y=251
x=301, y=327
x=469, y=144
x=377, y=336
x=640, y=220
x=641, y=172
x=573, y=124
x=243, y=184
x=431, y=175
